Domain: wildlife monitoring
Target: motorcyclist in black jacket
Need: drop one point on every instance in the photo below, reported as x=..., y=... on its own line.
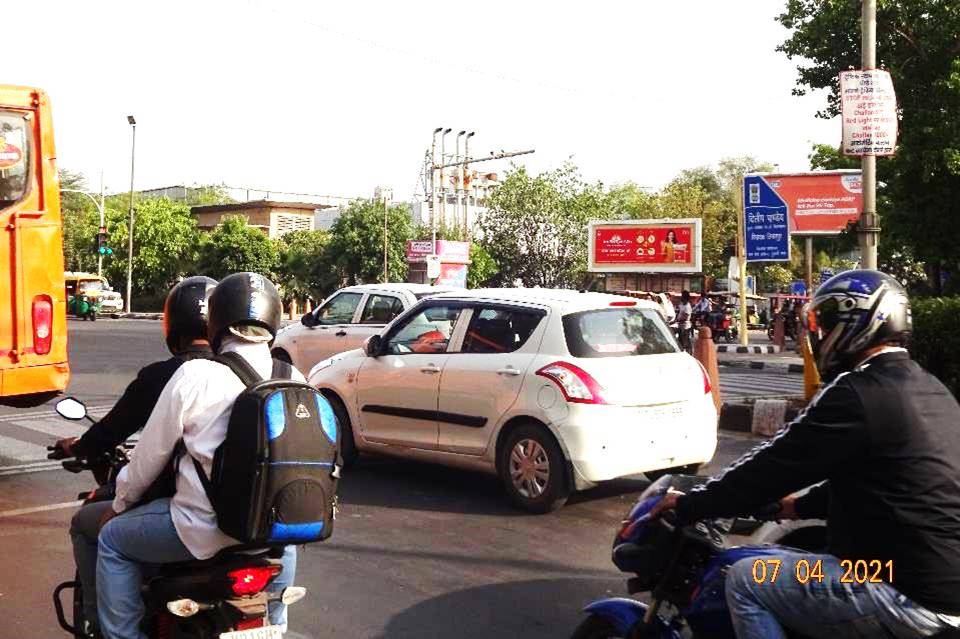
x=882, y=441
x=185, y=331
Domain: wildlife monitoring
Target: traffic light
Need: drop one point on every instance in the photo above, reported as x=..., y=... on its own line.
x=102, y=247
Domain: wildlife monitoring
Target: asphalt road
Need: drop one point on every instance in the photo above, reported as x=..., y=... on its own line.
x=419, y=551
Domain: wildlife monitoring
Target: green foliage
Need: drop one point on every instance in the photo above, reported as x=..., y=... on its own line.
x=164, y=244
x=356, y=246
x=80, y=224
x=535, y=228
x=936, y=341
x=234, y=246
x=304, y=270
x=917, y=43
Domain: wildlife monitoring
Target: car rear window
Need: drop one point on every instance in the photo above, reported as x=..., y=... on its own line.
x=617, y=332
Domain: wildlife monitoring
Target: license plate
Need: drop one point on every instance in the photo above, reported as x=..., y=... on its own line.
x=267, y=632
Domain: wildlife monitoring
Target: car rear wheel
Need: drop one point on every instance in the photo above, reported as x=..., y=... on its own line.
x=348, y=447
x=532, y=469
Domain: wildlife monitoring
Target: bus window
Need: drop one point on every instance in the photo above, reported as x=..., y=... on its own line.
x=14, y=157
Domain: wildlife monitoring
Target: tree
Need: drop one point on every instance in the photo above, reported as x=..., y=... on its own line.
x=535, y=227
x=233, y=247
x=356, y=244
x=304, y=270
x=917, y=43
x=164, y=243
x=81, y=222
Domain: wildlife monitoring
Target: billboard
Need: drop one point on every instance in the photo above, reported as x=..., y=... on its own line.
x=817, y=203
x=450, y=252
x=645, y=246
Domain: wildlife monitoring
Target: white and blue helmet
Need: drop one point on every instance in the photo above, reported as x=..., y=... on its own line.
x=853, y=312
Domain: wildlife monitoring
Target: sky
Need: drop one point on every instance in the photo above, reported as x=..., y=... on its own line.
x=339, y=98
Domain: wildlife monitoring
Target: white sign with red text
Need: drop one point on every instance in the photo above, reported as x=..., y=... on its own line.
x=869, y=112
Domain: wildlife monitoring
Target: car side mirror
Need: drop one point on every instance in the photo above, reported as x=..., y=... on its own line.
x=309, y=320
x=373, y=345
x=71, y=408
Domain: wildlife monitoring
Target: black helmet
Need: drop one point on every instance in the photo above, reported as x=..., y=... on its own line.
x=243, y=299
x=185, y=311
x=852, y=312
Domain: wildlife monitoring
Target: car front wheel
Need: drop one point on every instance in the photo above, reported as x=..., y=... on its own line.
x=532, y=469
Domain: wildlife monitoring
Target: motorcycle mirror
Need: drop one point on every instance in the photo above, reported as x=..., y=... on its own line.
x=71, y=408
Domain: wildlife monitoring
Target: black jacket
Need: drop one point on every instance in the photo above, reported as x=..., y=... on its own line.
x=886, y=439
x=133, y=409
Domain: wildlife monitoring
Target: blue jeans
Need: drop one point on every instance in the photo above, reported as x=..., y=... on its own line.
x=141, y=538
x=820, y=609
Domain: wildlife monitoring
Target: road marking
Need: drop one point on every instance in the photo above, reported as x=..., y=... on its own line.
x=58, y=429
x=21, y=451
x=51, y=413
x=40, y=509
x=760, y=384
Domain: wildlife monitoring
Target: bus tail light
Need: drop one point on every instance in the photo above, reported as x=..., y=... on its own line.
x=42, y=324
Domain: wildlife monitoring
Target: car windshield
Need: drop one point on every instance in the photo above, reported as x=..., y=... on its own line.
x=617, y=332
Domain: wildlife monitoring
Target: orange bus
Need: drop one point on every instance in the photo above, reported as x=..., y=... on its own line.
x=33, y=323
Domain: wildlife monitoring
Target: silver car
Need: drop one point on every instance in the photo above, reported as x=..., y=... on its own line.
x=345, y=319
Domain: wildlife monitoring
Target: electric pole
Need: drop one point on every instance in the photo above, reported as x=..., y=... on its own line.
x=868, y=232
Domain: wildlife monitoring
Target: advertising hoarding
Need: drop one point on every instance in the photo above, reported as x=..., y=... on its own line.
x=450, y=252
x=645, y=246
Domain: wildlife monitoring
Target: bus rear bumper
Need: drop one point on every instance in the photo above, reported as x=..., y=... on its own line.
x=27, y=380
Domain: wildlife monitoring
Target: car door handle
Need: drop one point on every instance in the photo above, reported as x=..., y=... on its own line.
x=340, y=333
x=509, y=370
x=430, y=369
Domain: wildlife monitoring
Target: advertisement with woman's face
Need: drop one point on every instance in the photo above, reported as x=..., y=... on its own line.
x=648, y=246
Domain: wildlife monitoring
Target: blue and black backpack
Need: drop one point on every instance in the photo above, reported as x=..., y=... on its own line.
x=274, y=477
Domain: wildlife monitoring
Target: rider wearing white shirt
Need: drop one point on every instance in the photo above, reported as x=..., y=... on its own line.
x=194, y=407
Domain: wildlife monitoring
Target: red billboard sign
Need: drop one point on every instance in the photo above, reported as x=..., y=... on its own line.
x=820, y=203
x=649, y=246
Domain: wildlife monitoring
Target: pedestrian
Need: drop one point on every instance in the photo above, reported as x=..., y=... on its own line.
x=881, y=447
x=684, y=317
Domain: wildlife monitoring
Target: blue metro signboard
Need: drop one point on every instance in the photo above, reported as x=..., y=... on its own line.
x=766, y=227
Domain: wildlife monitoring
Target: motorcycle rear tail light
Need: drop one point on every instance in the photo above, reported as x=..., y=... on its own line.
x=576, y=384
x=42, y=312
x=250, y=581
x=247, y=624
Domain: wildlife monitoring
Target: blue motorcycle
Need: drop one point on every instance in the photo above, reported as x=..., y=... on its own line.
x=682, y=567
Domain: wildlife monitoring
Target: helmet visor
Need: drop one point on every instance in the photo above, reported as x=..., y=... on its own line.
x=821, y=316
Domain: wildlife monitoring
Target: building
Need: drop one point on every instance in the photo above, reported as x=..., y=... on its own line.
x=273, y=218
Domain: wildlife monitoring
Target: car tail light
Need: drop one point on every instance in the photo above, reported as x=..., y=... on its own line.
x=42, y=312
x=624, y=303
x=247, y=624
x=707, y=386
x=575, y=383
x=250, y=581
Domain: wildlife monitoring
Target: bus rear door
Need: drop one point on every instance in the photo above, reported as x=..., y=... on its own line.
x=33, y=325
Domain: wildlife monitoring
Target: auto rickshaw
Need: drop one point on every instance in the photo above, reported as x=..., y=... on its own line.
x=83, y=305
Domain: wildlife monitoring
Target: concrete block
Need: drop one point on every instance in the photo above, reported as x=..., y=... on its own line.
x=769, y=416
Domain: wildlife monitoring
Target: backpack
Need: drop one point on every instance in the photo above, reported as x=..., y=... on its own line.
x=274, y=477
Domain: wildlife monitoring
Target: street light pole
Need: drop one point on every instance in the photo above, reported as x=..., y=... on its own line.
x=443, y=185
x=133, y=149
x=868, y=231
x=99, y=206
x=463, y=185
x=433, y=190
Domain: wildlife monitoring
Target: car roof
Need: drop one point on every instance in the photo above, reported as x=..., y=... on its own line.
x=398, y=286
x=566, y=299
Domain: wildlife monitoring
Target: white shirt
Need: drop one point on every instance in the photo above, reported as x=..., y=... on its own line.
x=703, y=306
x=683, y=315
x=194, y=406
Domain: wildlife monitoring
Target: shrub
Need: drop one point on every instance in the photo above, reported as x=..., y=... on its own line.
x=936, y=338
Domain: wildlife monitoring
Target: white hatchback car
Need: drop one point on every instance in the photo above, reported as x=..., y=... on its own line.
x=552, y=390
x=345, y=319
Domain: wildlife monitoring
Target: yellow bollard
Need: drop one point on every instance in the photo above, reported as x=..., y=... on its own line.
x=811, y=376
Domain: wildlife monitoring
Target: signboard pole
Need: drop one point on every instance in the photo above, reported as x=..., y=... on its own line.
x=742, y=268
x=868, y=231
x=808, y=262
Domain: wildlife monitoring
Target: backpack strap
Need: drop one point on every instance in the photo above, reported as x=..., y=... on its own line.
x=240, y=367
x=281, y=370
